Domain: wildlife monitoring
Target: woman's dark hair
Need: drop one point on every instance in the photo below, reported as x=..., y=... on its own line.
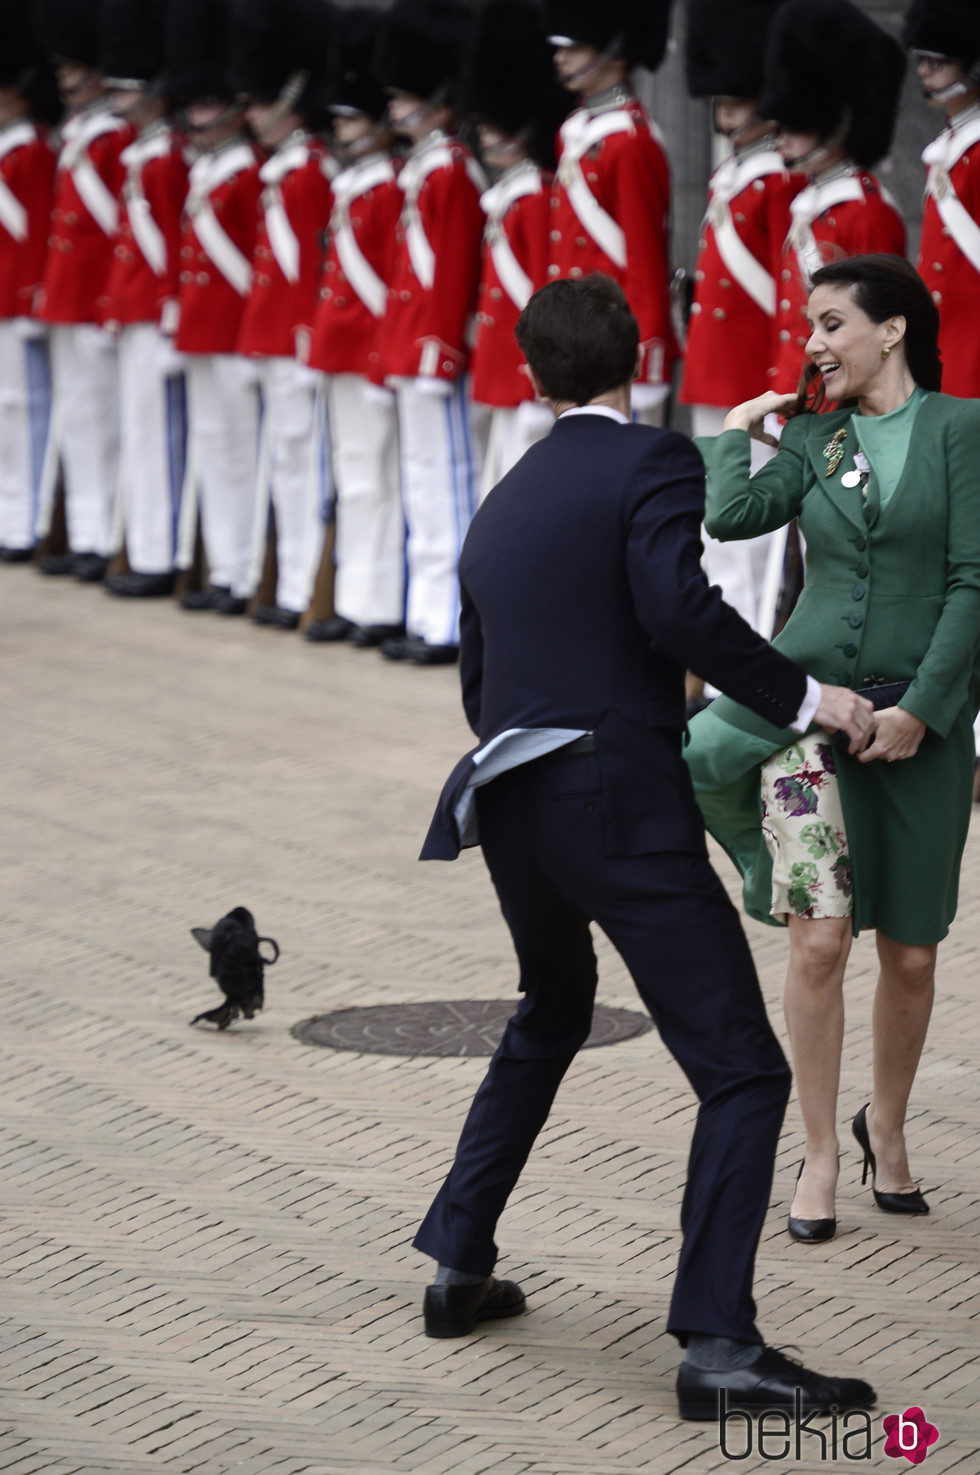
x=883, y=287
x=579, y=337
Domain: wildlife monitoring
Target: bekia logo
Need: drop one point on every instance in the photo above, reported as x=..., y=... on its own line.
x=909, y=1435
x=848, y=1434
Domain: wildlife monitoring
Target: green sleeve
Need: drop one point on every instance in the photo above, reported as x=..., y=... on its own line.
x=942, y=683
x=740, y=505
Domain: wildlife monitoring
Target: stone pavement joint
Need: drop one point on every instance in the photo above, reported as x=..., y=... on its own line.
x=206, y=1238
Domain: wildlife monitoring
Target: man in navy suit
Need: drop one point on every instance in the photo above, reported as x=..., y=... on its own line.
x=583, y=603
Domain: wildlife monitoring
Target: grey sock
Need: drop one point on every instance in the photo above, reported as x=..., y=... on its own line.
x=720, y=1354
x=446, y=1276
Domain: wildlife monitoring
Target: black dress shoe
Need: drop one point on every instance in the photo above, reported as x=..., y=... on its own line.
x=399, y=647
x=890, y=1203
x=140, y=586
x=366, y=637
x=454, y=1311
x=810, y=1231
x=89, y=568
x=424, y=654
x=16, y=555
x=227, y=603
x=329, y=631
x=198, y=599
x=275, y=617
x=772, y=1381
x=56, y=564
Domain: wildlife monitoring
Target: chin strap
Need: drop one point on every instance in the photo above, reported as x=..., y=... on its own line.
x=811, y=162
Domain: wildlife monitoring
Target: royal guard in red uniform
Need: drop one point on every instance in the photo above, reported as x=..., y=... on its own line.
x=424, y=337
x=510, y=91
x=84, y=436
x=369, y=546
x=833, y=79
x=217, y=244
x=944, y=36
x=611, y=204
x=141, y=298
x=28, y=102
x=730, y=335
x=279, y=52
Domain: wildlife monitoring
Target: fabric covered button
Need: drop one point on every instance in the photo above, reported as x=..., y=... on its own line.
x=850, y=650
x=862, y=570
x=860, y=544
x=855, y=621
x=858, y=592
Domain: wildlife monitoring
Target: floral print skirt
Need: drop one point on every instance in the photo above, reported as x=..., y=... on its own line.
x=803, y=827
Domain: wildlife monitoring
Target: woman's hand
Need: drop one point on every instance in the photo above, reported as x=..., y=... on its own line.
x=897, y=735
x=753, y=412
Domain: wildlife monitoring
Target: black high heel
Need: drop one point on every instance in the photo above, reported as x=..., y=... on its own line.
x=810, y=1231
x=891, y=1203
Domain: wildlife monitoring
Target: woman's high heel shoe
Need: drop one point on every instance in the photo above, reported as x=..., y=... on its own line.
x=810, y=1231
x=892, y=1203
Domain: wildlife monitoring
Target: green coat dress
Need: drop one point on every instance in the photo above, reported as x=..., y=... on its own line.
x=892, y=593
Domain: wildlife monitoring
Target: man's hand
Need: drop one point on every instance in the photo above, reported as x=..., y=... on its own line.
x=751, y=415
x=897, y=735
x=842, y=708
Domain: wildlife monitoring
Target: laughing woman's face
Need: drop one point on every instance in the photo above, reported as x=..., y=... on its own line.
x=845, y=344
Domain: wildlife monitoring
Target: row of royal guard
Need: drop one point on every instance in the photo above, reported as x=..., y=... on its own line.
x=331, y=284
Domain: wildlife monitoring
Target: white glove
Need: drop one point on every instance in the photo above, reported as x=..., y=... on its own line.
x=438, y=388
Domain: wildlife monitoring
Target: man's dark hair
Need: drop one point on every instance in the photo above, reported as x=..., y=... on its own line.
x=579, y=337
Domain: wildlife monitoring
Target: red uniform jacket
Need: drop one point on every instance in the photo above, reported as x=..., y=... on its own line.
x=846, y=214
x=729, y=338
x=142, y=282
x=293, y=215
x=84, y=218
x=610, y=213
x=216, y=250
x=515, y=264
x=949, y=252
x=436, y=267
x=27, y=164
x=357, y=271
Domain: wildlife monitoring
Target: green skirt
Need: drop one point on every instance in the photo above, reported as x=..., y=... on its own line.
x=906, y=822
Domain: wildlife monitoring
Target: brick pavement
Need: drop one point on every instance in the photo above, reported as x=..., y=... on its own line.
x=205, y=1238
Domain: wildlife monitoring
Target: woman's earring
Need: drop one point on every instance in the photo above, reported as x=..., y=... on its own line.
x=885, y=351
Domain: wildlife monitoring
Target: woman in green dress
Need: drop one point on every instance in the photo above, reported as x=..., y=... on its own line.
x=887, y=492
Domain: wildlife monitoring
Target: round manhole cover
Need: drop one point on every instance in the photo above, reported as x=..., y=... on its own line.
x=457, y=1027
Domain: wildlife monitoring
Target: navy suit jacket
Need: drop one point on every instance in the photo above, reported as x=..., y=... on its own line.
x=583, y=604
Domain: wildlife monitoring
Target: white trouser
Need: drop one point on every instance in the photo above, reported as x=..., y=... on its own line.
x=25, y=405
x=512, y=432
x=223, y=427
x=290, y=475
x=438, y=491
x=84, y=434
x=370, y=541
x=739, y=569
x=152, y=445
x=650, y=404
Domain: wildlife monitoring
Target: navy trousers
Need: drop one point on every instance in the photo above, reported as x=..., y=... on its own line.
x=668, y=916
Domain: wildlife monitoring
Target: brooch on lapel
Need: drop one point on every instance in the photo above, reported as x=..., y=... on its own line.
x=834, y=450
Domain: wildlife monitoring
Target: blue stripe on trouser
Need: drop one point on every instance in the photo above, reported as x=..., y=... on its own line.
x=37, y=369
x=461, y=471
x=175, y=391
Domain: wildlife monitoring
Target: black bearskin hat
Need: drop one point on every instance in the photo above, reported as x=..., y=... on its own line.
x=24, y=65
x=352, y=82
x=725, y=46
x=274, y=41
x=197, y=51
x=509, y=77
x=132, y=39
x=421, y=46
x=639, y=28
x=68, y=29
x=827, y=62
x=947, y=27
